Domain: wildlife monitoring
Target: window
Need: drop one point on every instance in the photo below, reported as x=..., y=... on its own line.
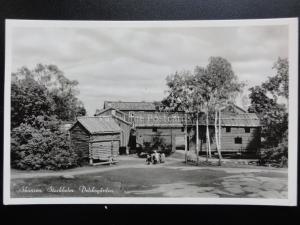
x=238, y=140
x=154, y=129
x=228, y=129
x=247, y=129
x=182, y=129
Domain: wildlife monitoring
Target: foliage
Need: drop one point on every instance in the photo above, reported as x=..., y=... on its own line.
x=40, y=99
x=276, y=155
x=28, y=100
x=182, y=93
x=220, y=86
x=209, y=88
x=41, y=146
x=265, y=102
x=54, y=87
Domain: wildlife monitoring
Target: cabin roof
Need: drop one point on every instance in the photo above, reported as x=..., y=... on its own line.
x=130, y=106
x=240, y=120
x=98, y=124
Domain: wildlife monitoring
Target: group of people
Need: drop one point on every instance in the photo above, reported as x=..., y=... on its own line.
x=155, y=158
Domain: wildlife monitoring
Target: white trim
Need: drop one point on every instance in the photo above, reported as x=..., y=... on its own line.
x=292, y=23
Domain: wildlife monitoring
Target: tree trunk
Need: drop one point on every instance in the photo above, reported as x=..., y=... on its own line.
x=185, y=139
x=207, y=136
x=197, y=138
x=216, y=130
x=218, y=134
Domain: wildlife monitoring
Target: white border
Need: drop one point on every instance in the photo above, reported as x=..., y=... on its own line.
x=292, y=23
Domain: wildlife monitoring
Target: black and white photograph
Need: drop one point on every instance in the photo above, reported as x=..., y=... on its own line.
x=164, y=112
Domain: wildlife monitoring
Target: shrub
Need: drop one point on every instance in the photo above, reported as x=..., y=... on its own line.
x=277, y=155
x=41, y=148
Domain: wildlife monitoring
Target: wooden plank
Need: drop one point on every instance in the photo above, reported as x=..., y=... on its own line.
x=106, y=163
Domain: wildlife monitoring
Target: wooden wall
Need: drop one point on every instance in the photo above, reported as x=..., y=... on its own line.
x=125, y=133
x=80, y=141
x=103, y=150
x=103, y=146
x=97, y=146
x=250, y=141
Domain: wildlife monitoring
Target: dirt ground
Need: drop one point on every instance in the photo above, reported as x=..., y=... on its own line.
x=132, y=177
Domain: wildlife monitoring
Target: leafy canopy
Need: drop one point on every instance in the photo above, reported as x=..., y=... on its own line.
x=265, y=103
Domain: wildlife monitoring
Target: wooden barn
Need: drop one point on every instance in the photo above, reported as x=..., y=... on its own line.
x=96, y=139
x=144, y=124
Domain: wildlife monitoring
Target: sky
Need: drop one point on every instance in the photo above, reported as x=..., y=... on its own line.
x=132, y=63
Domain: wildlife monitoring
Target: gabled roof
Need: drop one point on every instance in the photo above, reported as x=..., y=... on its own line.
x=234, y=120
x=98, y=125
x=130, y=106
x=234, y=108
x=109, y=108
x=240, y=120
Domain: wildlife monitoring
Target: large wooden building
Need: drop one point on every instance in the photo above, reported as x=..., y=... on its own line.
x=240, y=130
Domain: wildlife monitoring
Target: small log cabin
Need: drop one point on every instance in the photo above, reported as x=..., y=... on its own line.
x=96, y=139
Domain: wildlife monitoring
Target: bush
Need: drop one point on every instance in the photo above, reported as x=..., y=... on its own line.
x=277, y=156
x=35, y=148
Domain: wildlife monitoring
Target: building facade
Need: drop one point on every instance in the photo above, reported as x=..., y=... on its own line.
x=148, y=127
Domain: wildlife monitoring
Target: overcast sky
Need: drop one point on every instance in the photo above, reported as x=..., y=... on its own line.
x=131, y=64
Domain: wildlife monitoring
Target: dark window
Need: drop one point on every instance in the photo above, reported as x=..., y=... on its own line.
x=154, y=129
x=228, y=129
x=247, y=129
x=238, y=140
x=182, y=129
x=204, y=140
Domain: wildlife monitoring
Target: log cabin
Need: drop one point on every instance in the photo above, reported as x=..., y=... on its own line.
x=96, y=139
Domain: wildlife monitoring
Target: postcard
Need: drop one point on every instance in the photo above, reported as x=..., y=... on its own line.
x=151, y=112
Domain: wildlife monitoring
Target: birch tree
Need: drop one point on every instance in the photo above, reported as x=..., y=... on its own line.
x=185, y=93
x=223, y=86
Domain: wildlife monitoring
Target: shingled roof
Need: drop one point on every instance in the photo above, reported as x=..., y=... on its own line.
x=240, y=120
x=130, y=106
x=97, y=124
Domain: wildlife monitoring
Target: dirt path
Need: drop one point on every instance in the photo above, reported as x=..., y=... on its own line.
x=131, y=162
x=135, y=163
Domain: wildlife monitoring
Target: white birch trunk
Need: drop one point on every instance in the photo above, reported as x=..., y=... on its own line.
x=216, y=131
x=220, y=129
x=207, y=136
x=197, y=138
x=185, y=140
x=218, y=116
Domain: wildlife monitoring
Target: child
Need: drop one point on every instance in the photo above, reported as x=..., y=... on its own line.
x=148, y=160
x=162, y=157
